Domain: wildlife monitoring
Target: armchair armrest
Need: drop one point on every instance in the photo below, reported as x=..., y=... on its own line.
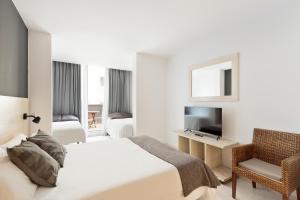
x=291, y=172
x=242, y=153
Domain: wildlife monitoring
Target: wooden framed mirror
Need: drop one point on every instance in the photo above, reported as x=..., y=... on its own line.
x=216, y=80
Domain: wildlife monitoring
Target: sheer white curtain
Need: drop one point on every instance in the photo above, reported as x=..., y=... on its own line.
x=106, y=98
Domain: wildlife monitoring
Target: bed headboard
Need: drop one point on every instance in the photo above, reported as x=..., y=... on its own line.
x=11, y=117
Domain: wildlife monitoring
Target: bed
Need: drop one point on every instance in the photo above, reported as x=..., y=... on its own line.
x=112, y=169
x=119, y=128
x=68, y=132
x=117, y=169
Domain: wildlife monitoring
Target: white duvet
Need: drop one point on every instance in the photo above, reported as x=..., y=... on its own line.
x=119, y=128
x=68, y=132
x=117, y=169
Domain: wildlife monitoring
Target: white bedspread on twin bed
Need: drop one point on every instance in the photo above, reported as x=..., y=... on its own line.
x=117, y=169
x=119, y=128
x=68, y=132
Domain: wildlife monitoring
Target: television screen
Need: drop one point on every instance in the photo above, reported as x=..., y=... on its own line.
x=203, y=119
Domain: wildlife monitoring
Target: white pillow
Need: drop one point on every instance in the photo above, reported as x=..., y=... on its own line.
x=14, y=184
x=14, y=141
x=3, y=155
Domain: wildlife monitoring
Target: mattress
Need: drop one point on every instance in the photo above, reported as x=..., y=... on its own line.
x=117, y=169
x=119, y=128
x=68, y=132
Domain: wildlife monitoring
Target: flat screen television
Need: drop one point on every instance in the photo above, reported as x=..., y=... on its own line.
x=203, y=120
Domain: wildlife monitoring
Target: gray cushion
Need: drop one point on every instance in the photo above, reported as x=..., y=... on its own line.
x=39, y=166
x=119, y=115
x=69, y=118
x=263, y=168
x=50, y=145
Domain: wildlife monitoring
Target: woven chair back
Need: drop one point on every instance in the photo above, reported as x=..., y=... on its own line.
x=274, y=146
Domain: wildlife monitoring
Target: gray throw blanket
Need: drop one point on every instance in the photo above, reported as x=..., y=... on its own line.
x=193, y=171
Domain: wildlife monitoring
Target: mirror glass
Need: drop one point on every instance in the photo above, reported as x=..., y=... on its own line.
x=212, y=81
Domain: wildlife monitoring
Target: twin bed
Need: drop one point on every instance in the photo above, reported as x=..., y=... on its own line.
x=71, y=131
x=119, y=128
x=68, y=132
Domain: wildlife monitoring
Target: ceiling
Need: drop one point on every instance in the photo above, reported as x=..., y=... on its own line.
x=110, y=32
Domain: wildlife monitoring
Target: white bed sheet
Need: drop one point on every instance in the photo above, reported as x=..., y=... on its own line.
x=117, y=169
x=119, y=128
x=68, y=132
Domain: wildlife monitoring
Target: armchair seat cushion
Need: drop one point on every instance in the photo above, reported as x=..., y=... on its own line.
x=263, y=168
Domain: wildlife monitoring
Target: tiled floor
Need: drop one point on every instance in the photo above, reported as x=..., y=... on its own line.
x=246, y=192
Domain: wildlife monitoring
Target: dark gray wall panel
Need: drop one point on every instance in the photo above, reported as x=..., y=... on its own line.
x=13, y=52
x=228, y=82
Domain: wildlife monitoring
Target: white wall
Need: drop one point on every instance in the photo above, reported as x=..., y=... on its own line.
x=134, y=96
x=269, y=75
x=11, y=120
x=95, y=89
x=149, y=85
x=40, y=79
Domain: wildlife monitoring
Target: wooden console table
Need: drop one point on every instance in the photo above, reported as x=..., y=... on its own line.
x=215, y=153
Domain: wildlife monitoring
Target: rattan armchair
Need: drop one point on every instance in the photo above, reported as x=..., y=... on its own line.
x=274, y=147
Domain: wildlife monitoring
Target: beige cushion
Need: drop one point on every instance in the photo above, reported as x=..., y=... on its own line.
x=263, y=168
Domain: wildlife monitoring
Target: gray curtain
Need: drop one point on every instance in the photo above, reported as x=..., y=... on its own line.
x=120, y=91
x=66, y=89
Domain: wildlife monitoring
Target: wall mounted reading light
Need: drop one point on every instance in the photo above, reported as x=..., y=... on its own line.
x=36, y=119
